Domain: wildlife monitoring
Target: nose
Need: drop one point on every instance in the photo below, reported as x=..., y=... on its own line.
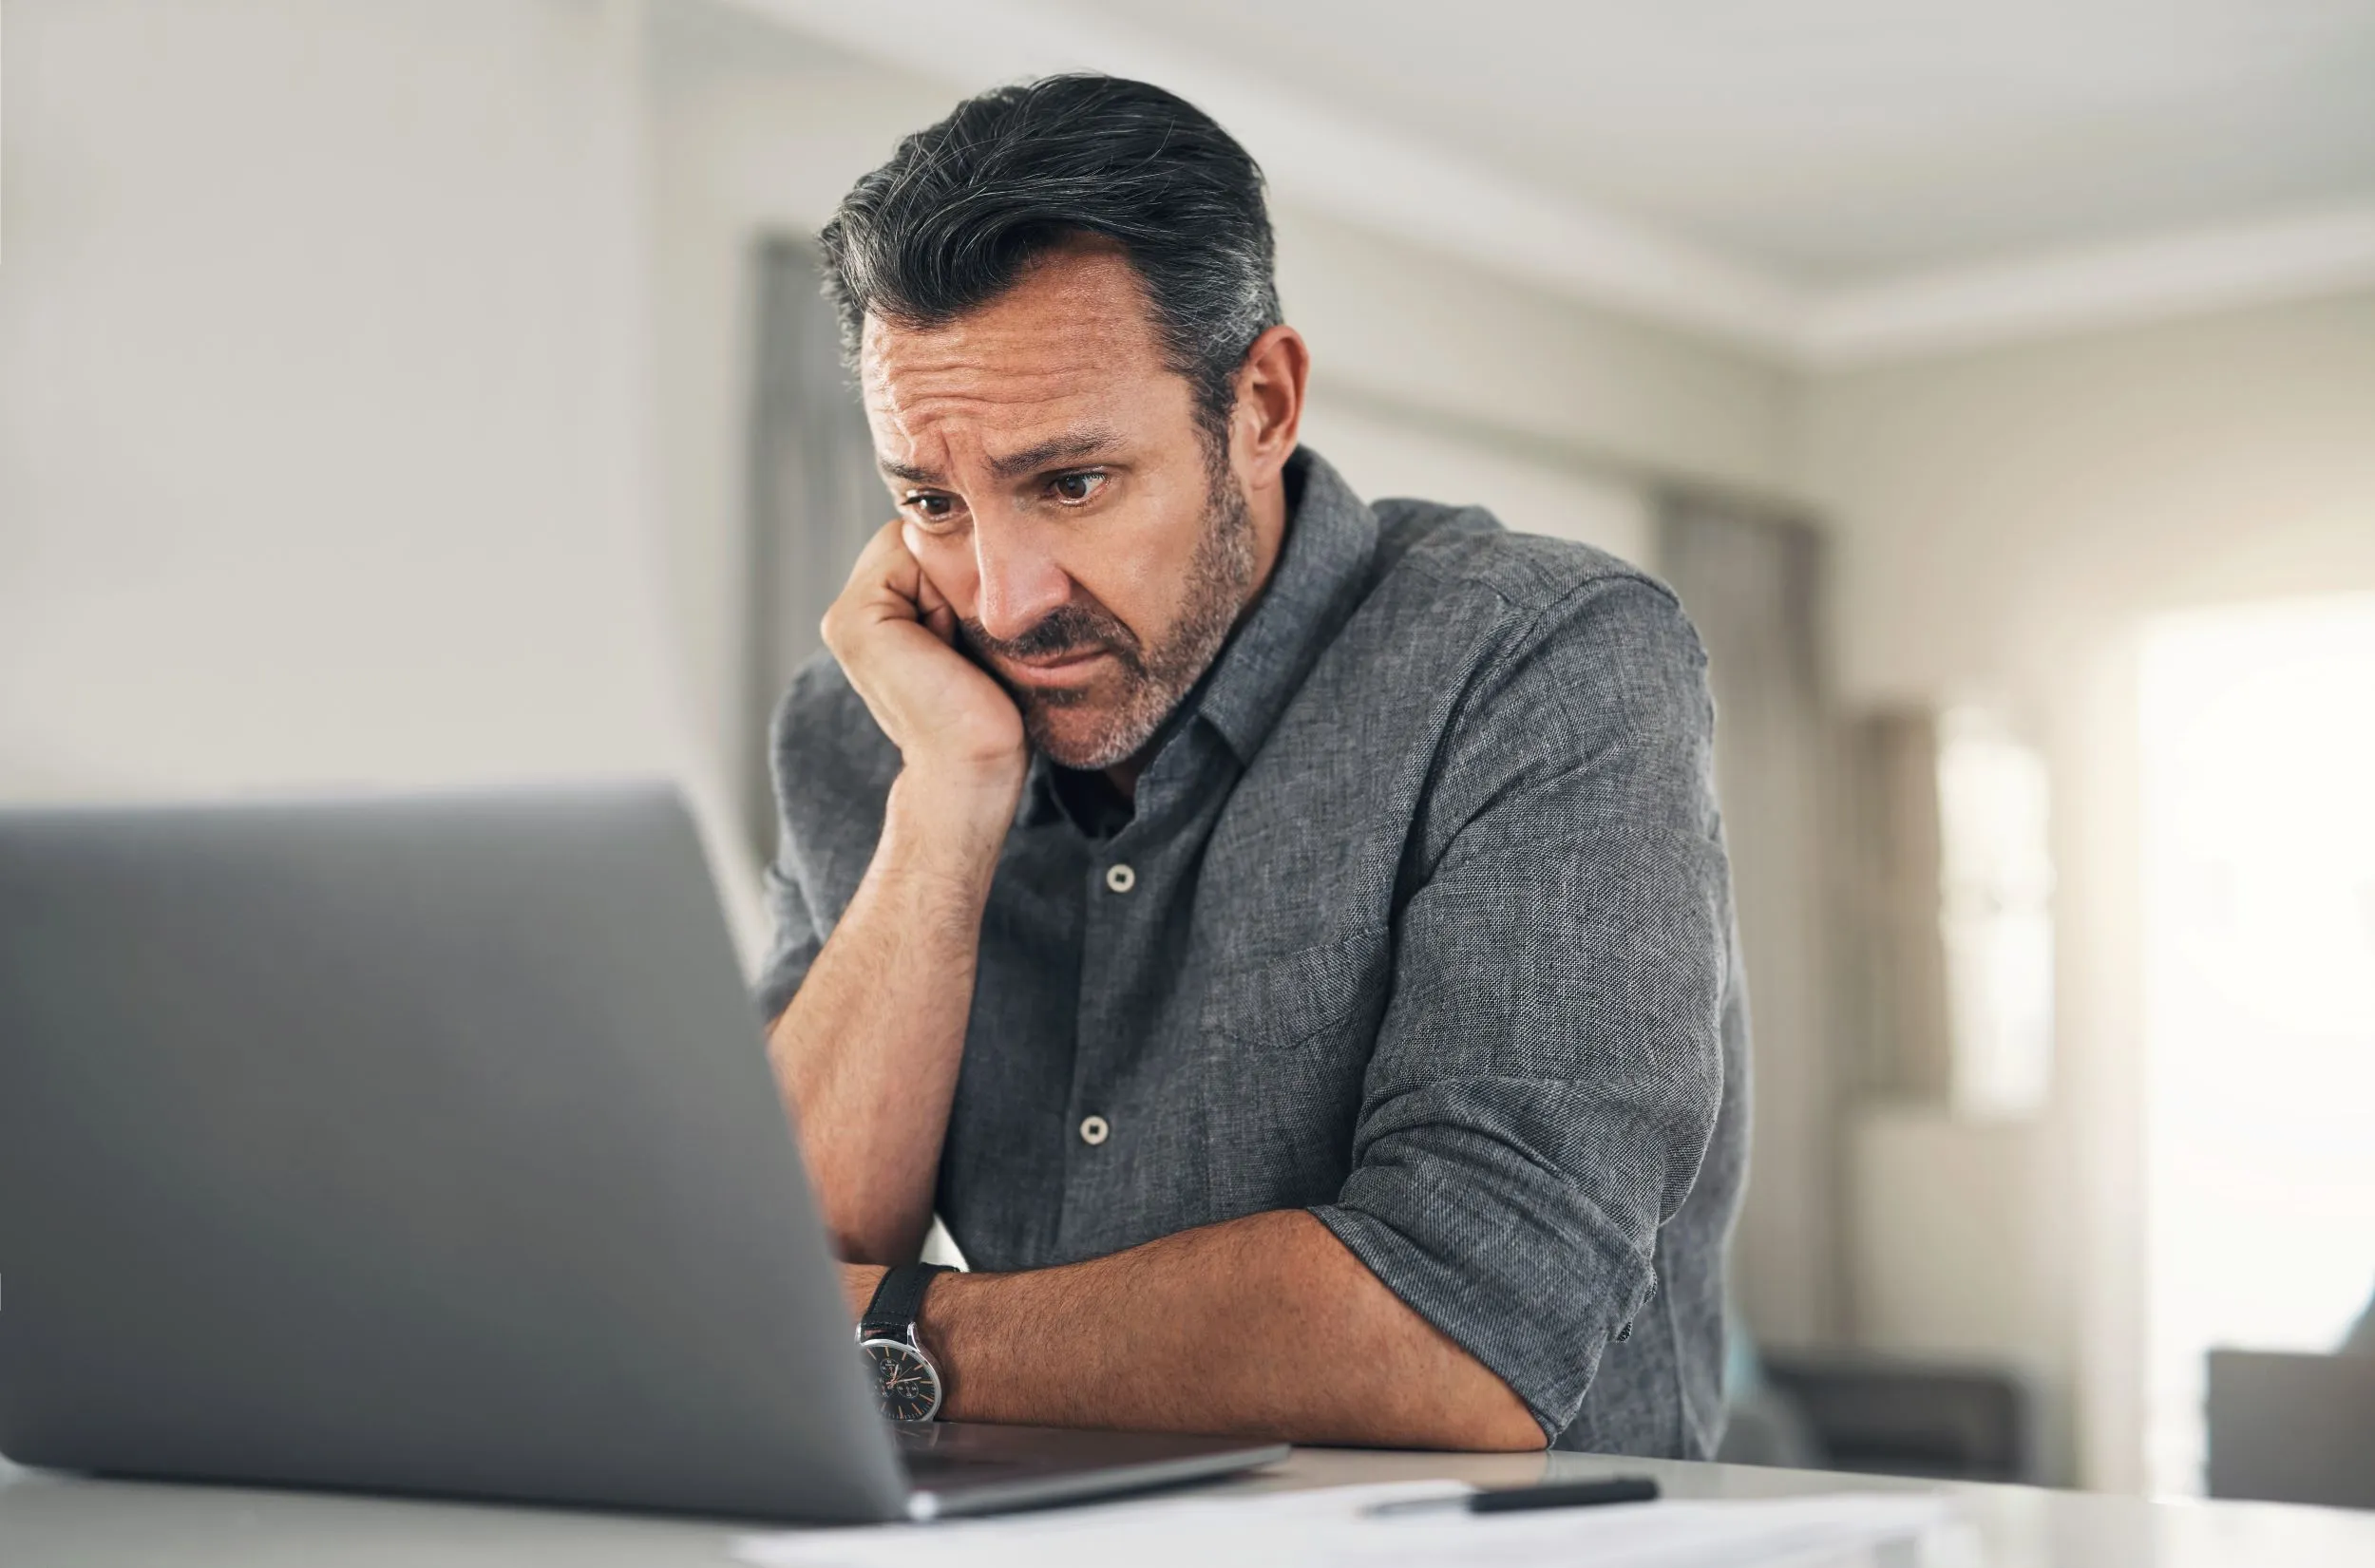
x=1018, y=580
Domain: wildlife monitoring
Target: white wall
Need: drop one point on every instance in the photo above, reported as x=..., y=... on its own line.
x=2005, y=519
x=1996, y=507
x=318, y=391
x=1388, y=457
x=325, y=436
x=1393, y=324
x=754, y=131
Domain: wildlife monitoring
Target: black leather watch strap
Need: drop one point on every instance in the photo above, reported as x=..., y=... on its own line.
x=897, y=1299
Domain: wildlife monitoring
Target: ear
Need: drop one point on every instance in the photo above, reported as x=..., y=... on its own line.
x=1269, y=407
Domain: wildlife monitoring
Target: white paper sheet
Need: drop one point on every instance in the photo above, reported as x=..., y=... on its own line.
x=1328, y=1527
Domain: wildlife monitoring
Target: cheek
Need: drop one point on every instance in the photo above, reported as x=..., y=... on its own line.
x=1137, y=564
x=948, y=561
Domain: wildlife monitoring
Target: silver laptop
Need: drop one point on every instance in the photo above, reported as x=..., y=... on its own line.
x=430, y=1146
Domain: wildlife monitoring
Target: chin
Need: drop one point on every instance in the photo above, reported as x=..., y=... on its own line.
x=1084, y=736
x=1084, y=748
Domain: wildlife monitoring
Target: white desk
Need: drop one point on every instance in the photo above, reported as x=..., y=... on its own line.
x=61, y=1522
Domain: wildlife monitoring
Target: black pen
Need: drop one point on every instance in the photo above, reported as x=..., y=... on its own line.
x=1518, y=1500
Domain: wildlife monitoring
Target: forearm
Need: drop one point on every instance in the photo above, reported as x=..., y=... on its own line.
x=867, y=1051
x=1264, y=1325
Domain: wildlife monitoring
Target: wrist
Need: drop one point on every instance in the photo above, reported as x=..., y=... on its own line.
x=971, y=781
x=910, y=1383
x=958, y=817
x=858, y=1283
x=936, y=1326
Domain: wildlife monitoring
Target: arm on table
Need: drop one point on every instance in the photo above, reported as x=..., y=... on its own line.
x=1263, y=1326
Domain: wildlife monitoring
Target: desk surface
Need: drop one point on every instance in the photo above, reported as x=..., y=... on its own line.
x=64, y=1522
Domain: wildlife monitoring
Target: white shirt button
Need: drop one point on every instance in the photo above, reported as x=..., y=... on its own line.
x=1093, y=1131
x=1120, y=877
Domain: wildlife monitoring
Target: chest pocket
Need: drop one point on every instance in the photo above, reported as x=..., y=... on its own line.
x=1298, y=998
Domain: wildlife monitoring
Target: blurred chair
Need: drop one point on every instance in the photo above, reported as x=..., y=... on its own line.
x=2360, y=1339
x=2292, y=1429
x=1762, y=1424
x=1888, y=1415
x=1882, y=1415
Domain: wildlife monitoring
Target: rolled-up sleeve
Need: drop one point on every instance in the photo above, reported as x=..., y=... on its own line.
x=1550, y=1065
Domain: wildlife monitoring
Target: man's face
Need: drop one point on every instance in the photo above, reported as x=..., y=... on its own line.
x=1057, y=489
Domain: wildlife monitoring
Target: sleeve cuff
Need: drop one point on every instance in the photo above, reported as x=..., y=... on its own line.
x=1544, y=1350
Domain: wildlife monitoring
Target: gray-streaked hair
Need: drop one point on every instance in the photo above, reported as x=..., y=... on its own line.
x=950, y=223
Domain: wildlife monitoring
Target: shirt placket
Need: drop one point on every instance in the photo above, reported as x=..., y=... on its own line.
x=1127, y=886
x=1114, y=886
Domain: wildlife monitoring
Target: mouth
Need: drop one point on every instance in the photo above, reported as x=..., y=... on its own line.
x=1070, y=667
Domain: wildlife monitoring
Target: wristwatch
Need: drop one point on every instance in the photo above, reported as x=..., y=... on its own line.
x=906, y=1378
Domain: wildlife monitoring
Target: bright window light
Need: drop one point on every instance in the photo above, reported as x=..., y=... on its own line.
x=1995, y=916
x=2258, y=829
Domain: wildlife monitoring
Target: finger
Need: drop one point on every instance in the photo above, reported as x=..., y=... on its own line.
x=934, y=608
x=872, y=594
x=874, y=562
x=938, y=613
x=888, y=578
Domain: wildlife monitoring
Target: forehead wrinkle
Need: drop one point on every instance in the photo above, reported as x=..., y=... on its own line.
x=1023, y=375
x=925, y=433
x=1071, y=317
x=908, y=397
x=1023, y=371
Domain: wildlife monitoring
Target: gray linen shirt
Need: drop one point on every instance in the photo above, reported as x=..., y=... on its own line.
x=1421, y=921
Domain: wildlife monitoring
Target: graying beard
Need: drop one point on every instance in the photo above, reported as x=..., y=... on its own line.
x=1218, y=576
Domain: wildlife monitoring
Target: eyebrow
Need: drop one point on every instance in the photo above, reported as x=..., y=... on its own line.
x=1070, y=448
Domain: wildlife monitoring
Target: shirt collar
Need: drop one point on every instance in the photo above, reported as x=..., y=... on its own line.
x=1315, y=585
x=1314, y=588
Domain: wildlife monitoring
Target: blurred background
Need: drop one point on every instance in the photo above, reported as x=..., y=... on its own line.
x=438, y=394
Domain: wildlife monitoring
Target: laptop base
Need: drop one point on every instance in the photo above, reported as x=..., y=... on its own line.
x=957, y=1468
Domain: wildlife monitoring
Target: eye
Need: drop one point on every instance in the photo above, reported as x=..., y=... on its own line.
x=1077, y=487
x=929, y=506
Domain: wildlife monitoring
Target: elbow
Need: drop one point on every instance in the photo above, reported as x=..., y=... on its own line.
x=1487, y=1420
x=1518, y=1434
x=876, y=1241
x=862, y=1232
x=1463, y=1406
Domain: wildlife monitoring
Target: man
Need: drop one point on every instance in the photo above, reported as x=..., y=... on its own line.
x=1288, y=942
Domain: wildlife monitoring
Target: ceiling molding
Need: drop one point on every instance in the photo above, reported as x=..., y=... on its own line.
x=2098, y=285
x=1375, y=177
x=1341, y=165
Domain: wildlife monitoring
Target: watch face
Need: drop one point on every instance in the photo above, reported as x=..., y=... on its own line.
x=907, y=1384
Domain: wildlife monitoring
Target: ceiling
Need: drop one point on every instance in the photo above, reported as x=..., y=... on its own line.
x=1839, y=179
x=1836, y=141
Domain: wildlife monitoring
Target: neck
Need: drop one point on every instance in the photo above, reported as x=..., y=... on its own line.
x=1124, y=774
